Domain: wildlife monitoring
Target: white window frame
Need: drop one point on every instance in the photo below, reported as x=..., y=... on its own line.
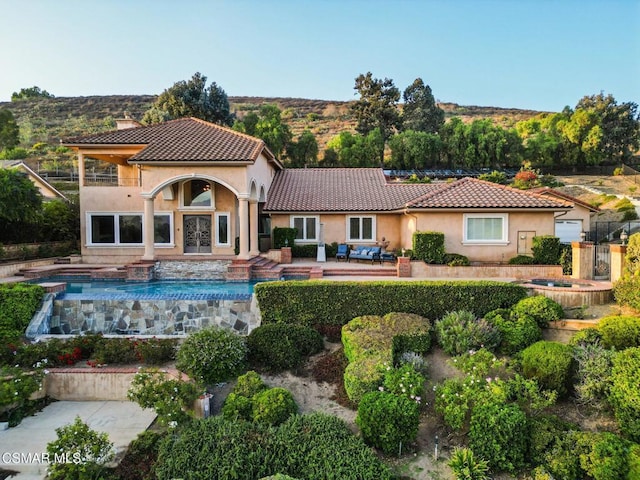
x=217, y=239
x=172, y=241
x=505, y=229
x=361, y=240
x=198, y=208
x=304, y=238
x=116, y=233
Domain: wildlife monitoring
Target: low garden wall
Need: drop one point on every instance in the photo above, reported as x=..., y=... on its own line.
x=9, y=269
x=89, y=384
x=420, y=269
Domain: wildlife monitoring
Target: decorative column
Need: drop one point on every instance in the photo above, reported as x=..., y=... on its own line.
x=404, y=267
x=254, y=248
x=618, y=266
x=582, y=262
x=148, y=230
x=243, y=214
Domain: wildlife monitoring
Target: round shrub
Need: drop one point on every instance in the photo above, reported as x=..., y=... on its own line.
x=541, y=308
x=516, y=333
x=620, y=332
x=249, y=384
x=521, y=260
x=634, y=462
x=363, y=376
x=237, y=407
x=624, y=394
x=279, y=346
x=603, y=456
x=314, y=446
x=273, y=406
x=586, y=336
x=388, y=421
x=499, y=433
x=459, y=332
x=550, y=363
x=627, y=291
x=593, y=373
x=546, y=432
x=212, y=355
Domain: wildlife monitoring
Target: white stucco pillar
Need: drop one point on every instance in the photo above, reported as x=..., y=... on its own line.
x=148, y=229
x=81, y=169
x=254, y=249
x=243, y=214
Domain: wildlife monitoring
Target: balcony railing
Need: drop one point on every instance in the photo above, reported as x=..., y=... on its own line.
x=106, y=180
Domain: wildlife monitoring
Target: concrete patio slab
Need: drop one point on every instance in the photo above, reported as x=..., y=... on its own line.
x=122, y=421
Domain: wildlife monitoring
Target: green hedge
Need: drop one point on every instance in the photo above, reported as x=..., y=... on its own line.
x=336, y=303
x=18, y=304
x=546, y=250
x=429, y=247
x=627, y=291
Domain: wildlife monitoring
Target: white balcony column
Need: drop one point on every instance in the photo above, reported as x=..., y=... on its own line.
x=254, y=249
x=148, y=233
x=243, y=214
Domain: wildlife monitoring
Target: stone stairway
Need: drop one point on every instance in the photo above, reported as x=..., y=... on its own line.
x=355, y=271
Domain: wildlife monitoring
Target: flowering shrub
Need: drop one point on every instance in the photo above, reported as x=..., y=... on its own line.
x=387, y=421
x=17, y=385
x=212, y=355
x=115, y=350
x=172, y=399
x=71, y=357
x=84, y=452
x=405, y=382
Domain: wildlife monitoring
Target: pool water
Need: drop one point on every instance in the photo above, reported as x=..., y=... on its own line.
x=156, y=289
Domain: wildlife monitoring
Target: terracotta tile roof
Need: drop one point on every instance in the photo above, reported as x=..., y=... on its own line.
x=470, y=193
x=367, y=190
x=339, y=190
x=181, y=140
x=563, y=196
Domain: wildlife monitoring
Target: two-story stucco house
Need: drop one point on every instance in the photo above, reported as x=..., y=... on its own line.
x=188, y=189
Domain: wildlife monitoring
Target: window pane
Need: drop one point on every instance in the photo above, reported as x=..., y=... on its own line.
x=130, y=228
x=354, y=228
x=298, y=223
x=103, y=229
x=367, y=228
x=197, y=193
x=223, y=229
x=311, y=228
x=484, y=228
x=162, y=228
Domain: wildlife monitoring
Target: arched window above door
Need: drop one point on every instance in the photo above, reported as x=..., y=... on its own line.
x=197, y=194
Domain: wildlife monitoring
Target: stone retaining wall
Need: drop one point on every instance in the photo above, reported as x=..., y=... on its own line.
x=152, y=317
x=191, y=270
x=11, y=268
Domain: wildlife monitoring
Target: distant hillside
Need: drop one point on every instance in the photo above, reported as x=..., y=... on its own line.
x=50, y=120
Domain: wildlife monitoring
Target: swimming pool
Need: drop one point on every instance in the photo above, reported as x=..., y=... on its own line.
x=87, y=289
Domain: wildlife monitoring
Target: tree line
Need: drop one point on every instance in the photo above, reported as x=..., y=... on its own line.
x=411, y=134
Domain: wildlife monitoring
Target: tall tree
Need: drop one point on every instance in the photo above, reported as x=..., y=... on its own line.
x=192, y=98
x=267, y=124
x=414, y=150
x=420, y=112
x=377, y=106
x=20, y=200
x=620, y=125
x=9, y=131
x=304, y=152
x=29, y=93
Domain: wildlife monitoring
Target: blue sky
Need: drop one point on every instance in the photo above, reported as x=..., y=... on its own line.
x=534, y=54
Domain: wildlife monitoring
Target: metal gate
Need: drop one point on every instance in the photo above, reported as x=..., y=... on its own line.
x=602, y=262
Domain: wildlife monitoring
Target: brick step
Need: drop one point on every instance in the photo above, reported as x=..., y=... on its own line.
x=377, y=272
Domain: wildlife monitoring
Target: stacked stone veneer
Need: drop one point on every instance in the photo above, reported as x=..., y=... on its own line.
x=191, y=270
x=152, y=317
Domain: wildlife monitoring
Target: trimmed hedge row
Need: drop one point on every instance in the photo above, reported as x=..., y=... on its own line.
x=336, y=303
